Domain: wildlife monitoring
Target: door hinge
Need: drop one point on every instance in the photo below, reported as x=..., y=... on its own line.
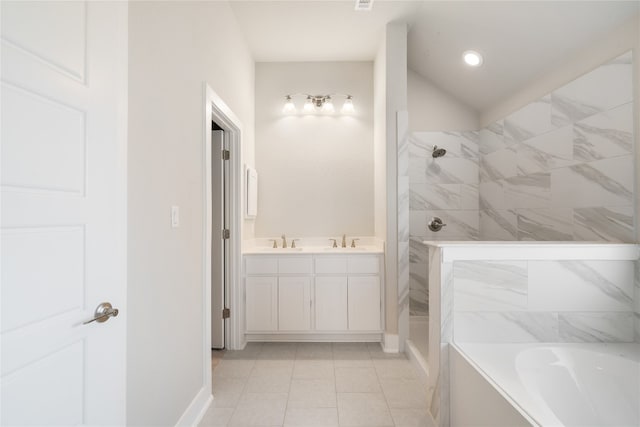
x=226, y=313
x=226, y=233
x=226, y=154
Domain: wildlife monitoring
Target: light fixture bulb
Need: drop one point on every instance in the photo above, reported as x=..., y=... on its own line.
x=327, y=105
x=472, y=58
x=347, y=107
x=308, y=105
x=289, y=107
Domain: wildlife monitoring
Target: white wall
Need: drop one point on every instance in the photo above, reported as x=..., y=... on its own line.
x=614, y=44
x=432, y=109
x=315, y=171
x=174, y=47
x=396, y=100
x=379, y=141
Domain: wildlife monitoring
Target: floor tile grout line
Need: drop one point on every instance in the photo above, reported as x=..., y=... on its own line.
x=384, y=395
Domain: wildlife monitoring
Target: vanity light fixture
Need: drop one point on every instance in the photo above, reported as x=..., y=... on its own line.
x=318, y=104
x=472, y=58
x=289, y=107
x=347, y=107
x=327, y=105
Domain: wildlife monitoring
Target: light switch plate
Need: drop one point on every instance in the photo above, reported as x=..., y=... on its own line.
x=175, y=216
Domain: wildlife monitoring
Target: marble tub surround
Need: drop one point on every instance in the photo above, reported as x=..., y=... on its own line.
x=526, y=292
x=543, y=301
x=307, y=245
x=561, y=168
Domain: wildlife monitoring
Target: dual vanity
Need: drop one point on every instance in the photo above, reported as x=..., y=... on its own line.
x=314, y=293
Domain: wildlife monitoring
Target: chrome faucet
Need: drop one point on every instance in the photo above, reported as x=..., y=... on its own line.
x=284, y=241
x=344, y=240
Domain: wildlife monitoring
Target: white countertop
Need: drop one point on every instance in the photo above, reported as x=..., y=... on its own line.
x=314, y=250
x=314, y=246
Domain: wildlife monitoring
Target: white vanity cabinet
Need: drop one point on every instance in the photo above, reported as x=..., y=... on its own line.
x=354, y=280
x=261, y=306
x=331, y=303
x=294, y=303
x=313, y=296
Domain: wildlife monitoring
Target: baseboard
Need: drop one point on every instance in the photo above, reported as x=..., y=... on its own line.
x=196, y=409
x=391, y=343
x=418, y=361
x=315, y=337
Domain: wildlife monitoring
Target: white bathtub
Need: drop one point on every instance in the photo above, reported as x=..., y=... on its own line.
x=564, y=384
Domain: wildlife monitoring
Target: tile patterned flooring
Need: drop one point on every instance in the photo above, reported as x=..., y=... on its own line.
x=315, y=384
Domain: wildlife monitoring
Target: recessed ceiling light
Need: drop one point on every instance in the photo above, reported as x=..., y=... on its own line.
x=472, y=58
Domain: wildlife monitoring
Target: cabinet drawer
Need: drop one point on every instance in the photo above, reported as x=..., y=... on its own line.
x=331, y=265
x=295, y=265
x=261, y=265
x=364, y=265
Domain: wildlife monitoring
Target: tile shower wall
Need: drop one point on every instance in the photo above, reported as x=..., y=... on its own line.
x=561, y=168
x=544, y=301
x=446, y=187
x=637, y=302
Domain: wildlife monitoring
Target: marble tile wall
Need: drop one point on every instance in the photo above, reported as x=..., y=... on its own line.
x=561, y=168
x=404, y=274
x=446, y=187
x=544, y=301
x=637, y=302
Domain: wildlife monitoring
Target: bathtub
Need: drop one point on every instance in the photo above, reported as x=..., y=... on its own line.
x=554, y=384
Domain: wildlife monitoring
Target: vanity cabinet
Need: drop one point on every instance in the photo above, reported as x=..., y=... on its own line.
x=294, y=303
x=261, y=303
x=331, y=303
x=364, y=303
x=330, y=296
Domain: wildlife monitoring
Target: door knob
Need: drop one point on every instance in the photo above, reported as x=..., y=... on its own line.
x=103, y=312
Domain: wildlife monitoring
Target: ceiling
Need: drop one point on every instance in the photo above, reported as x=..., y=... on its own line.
x=519, y=39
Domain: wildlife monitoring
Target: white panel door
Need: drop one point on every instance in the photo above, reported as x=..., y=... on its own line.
x=294, y=303
x=331, y=303
x=262, y=303
x=364, y=303
x=63, y=226
x=219, y=246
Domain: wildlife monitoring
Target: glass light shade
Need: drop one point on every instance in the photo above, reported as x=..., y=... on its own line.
x=347, y=107
x=472, y=58
x=308, y=105
x=289, y=107
x=327, y=106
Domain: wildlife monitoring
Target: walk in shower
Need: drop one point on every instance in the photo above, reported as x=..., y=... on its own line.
x=561, y=168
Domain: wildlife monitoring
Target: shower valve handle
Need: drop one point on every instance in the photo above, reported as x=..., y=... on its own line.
x=436, y=224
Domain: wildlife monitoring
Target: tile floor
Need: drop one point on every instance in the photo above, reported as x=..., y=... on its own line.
x=315, y=384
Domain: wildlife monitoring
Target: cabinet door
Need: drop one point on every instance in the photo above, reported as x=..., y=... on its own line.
x=262, y=304
x=331, y=303
x=364, y=303
x=294, y=303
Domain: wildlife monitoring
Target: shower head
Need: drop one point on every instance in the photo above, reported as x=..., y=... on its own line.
x=438, y=152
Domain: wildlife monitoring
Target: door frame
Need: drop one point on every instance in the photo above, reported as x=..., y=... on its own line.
x=217, y=110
